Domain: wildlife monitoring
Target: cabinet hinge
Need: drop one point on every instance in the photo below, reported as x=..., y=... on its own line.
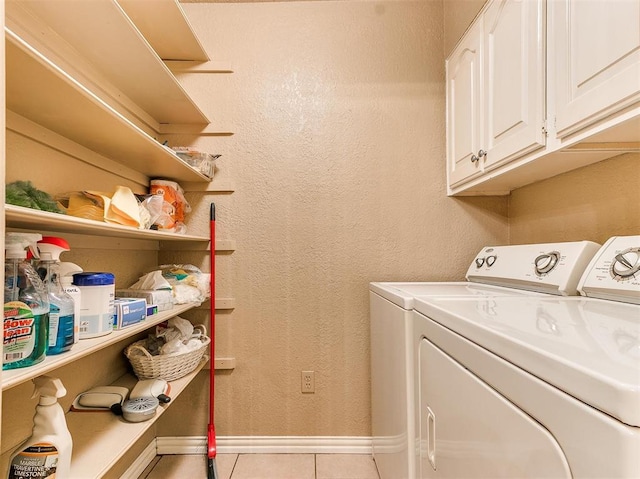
x=545, y=132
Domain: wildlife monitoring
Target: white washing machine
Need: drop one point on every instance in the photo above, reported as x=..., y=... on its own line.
x=533, y=386
x=395, y=445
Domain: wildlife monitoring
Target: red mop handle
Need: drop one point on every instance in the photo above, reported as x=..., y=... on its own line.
x=211, y=434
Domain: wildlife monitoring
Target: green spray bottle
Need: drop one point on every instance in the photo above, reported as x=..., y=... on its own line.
x=26, y=305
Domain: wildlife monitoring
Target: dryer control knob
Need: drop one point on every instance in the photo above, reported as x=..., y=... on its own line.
x=491, y=259
x=626, y=264
x=479, y=262
x=546, y=262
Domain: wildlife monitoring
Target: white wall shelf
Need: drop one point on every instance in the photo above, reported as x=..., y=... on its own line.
x=87, y=79
x=42, y=92
x=100, y=439
x=199, y=67
x=166, y=27
x=119, y=53
x=222, y=304
x=221, y=245
x=27, y=218
x=216, y=186
x=85, y=347
x=100, y=442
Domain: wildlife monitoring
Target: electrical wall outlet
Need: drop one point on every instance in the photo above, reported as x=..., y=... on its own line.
x=308, y=382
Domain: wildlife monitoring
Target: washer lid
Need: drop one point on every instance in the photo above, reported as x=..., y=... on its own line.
x=587, y=347
x=403, y=294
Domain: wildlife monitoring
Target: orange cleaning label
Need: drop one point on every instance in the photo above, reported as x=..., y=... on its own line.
x=39, y=461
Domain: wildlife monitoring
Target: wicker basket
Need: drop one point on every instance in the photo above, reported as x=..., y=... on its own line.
x=166, y=366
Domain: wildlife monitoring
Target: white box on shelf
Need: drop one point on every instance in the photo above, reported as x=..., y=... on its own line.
x=128, y=311
x=163, y=298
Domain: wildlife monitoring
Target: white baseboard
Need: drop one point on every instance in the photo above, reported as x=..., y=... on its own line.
x=266, y=445
x=138, y=466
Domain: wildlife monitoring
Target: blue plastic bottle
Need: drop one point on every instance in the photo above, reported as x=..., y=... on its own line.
x=26, y=305
x=61, y=315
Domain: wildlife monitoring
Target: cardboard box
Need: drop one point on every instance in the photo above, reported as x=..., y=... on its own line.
x=163, y=298
x=129, y=311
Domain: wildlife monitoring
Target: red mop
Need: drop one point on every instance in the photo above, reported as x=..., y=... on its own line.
x=212, y=472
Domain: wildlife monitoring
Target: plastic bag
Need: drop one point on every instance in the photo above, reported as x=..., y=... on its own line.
x=175, y=336
x=174, y=207
x=151, y=281
x=153, y=207
x=189, y=284
x=177, y=328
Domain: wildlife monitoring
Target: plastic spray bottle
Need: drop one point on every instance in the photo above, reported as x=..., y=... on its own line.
x=61, y=314
x=26, y=305
x=47, y=453
x=67, y=270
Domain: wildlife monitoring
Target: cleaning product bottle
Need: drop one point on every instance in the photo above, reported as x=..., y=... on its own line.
x=97, y=308
x=26, y=305
x=47, y=453
x=67, y=270
x=61, y=314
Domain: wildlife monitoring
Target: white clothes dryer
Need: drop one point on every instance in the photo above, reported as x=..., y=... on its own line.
x=392, y=338
x=532, y=386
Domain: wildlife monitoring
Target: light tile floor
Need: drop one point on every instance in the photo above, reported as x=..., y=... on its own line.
x=265, y=466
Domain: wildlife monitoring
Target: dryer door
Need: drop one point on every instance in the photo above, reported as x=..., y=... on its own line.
x=467, y=429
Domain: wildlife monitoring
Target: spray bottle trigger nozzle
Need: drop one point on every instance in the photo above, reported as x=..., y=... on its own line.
x=48, y=387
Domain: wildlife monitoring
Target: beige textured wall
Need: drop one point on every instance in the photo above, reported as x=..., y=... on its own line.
x=591, y=203
x=458, y=15
x=338, y=162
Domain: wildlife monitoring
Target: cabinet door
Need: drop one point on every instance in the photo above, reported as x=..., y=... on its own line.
x=596, y=57
x=514, y=71
x=467, y=429
x=464, y=108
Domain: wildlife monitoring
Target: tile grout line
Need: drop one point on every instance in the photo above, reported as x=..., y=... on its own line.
x=234, y=466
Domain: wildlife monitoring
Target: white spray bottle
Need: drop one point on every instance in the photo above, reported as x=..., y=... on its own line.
x=61, y=315
x=47, y=453
x=67, y=270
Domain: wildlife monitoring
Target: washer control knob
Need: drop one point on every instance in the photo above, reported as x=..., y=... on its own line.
x=546, y=262
x=479, y=262
x=491, y=259
x=626, y=264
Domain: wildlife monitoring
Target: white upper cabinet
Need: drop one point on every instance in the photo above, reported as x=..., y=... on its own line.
x=596, y=60
x=496, y=90
x=514, y=87
x=546, y=87
x=464, y=111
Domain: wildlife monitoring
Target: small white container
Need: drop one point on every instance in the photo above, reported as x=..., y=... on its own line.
x=97, y=303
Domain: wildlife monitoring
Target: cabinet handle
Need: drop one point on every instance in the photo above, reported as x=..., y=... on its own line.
x=431, y=438
x=481, y=154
